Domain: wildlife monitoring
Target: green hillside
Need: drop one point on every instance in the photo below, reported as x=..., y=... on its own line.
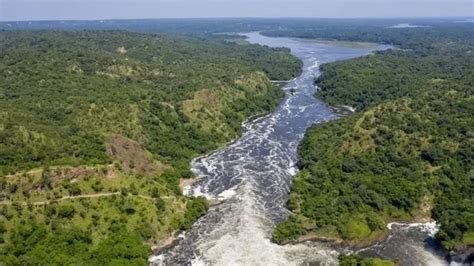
x=407, y=154
x=98, y=127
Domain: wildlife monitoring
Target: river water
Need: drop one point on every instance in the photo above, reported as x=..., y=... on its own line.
x=253, y=177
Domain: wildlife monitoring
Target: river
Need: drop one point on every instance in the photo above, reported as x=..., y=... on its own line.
x=253, y=174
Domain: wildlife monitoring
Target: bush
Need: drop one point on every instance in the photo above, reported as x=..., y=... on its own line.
x=357, y=260
x=195, y=208
x=66, y=211
x=288, y=230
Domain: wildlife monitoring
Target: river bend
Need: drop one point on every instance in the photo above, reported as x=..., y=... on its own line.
x=253, y=176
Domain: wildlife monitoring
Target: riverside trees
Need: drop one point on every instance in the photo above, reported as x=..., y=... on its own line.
x=116, y=117
x=406, y=154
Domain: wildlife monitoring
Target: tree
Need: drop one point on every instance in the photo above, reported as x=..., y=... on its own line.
x=45, y=182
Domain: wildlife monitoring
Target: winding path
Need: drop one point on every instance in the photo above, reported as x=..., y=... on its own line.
x=88, y=196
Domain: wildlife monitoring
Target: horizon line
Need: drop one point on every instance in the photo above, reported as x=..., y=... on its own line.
x=212, y=18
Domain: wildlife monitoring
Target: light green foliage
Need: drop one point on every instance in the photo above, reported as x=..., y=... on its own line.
x=407, y=153
x=356, y=260
x=98, y=127
x=61, y=93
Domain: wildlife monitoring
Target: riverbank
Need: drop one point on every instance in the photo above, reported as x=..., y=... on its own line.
x=374, y=239
x=339, y=243
x=238, y=231
x=358, y=169
x=186, y=184
x=344, y=44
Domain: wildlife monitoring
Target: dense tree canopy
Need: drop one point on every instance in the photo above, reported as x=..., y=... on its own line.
x=61, y=91
x=98, y=127
x=407, y=153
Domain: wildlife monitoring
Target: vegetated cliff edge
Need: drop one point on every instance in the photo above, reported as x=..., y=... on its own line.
x=406, y=154
x=97, y=128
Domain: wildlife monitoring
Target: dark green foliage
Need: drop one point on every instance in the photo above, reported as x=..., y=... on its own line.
x=65, y=246
x=66, y=211
x=97, y=186
x=394, y=74
x=128, y=207
x=288, y=230
x=122, y=248
x=408, y=150
x=195, y=208
x=423, y=39
x=159, y=204
x=155, y=193
x=32, y=244
x=62, y=93
x=74, y=189
x=45, y=179
x=356, y=260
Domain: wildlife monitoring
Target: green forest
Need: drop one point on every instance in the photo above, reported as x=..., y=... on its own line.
x=98, y=127
x=356, y=260
x=407, y=152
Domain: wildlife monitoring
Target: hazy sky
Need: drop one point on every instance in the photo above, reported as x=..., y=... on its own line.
x=108, y=9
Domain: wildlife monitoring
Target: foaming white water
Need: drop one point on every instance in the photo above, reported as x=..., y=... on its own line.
x=198, y=193
x=247, y=243
x=314, y=66
x=253, y=177
x=293, y=170
x=156, y=259
x=428, y=258
x=409, y=243
x=227, y=194
x=431, y=228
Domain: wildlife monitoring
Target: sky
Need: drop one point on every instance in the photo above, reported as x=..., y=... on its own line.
x=14, y=10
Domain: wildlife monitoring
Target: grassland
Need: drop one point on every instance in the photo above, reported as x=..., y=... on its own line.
x=98, y=127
